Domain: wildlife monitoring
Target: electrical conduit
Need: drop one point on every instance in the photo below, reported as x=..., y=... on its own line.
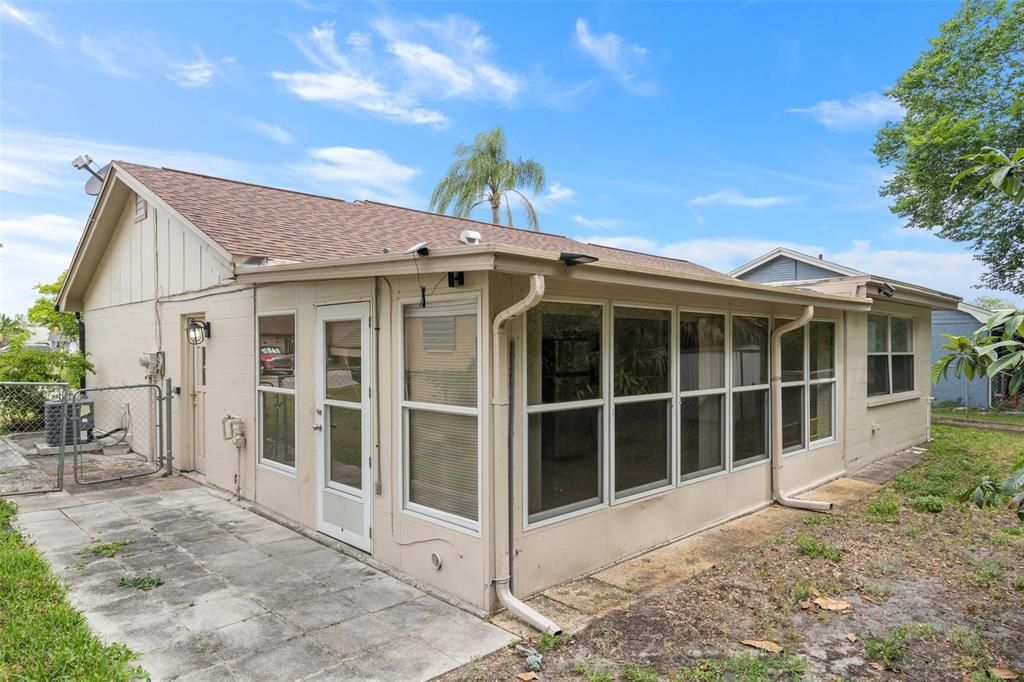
x=776, y=424
x=502, y=439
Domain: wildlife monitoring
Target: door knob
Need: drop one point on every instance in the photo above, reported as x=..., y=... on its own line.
x=318, y=427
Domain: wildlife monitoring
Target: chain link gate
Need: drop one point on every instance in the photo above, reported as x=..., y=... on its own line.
x=124, y=423
x=31, y=454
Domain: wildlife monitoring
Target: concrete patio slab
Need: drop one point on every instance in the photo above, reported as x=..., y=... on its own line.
x=242, y=597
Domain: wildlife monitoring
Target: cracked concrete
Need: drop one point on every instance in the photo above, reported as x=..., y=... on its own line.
x=243, y=597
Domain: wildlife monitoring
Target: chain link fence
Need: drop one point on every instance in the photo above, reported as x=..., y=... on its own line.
x=106, y=433
x=27, y=464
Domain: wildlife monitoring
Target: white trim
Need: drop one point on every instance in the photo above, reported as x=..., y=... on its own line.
x=889, y=353
x=795, y=255
x=724, y=390
x=406, y=506
x=888, y=399
x=270, y=464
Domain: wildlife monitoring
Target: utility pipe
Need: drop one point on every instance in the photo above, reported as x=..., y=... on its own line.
x=501, y=391
x=776, y=424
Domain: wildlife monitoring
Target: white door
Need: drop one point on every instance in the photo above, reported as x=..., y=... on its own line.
x=198, y=398
x=343, y=423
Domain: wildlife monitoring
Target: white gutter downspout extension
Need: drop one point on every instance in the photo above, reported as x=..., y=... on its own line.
x=499, y=349
x=776, y=423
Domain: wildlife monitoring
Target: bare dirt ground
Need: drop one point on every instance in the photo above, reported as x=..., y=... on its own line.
x=882, y=589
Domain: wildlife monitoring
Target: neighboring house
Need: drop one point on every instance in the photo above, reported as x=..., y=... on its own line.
x=406, y=403
x=792, y=268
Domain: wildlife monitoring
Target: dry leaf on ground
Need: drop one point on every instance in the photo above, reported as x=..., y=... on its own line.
x=527, y=677
x=852, y=637
x=1001, y=673
x=763, y=645
x=830, y=604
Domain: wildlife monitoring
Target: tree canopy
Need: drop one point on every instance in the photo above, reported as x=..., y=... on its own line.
x=964, y=93
x=44, y=313
x=482, y=173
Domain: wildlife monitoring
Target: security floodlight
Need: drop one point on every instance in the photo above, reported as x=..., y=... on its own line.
x=887, y=290
x=570, y=259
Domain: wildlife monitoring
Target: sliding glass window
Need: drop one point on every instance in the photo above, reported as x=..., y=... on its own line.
x=441, y=411
x=642, y=404
x=702, y=393
x=275, y=392
x=749, y=389
x=565, y=408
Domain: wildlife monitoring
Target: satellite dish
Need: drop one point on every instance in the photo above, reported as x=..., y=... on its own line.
x=419, y=249
x=95, y=181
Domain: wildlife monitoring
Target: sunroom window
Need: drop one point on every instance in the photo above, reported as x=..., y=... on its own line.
x=565, y=408
x=890, y=354
x=275, y=393
x=702, y=393
x=750, y=389
x=441, y=411
x=808, y=385
x=643, y=400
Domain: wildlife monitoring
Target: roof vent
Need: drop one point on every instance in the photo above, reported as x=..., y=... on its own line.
x=469, y=237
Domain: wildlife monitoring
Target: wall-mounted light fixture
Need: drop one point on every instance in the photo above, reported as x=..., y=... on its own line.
x=197, y=331
x=887, y=290
x=571, y=259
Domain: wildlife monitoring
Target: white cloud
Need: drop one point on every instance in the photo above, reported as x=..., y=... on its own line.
x=345, y=82
x=198, y=73
x=618, y=57
x=31, y=21
x=599, y=223
x=360, y=41
x=357, y=173
x=556, y=193
x=270, y=131
x=25, y=263
x=44, y=227
x=731, y=197
x=866, y=110
x=111, y=55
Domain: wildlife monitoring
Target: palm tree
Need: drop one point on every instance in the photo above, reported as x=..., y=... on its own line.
x=482, y=173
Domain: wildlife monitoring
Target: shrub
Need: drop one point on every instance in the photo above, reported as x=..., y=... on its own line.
x=928, y=503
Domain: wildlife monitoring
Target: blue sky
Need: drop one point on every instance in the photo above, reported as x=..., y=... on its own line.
x=710, y=131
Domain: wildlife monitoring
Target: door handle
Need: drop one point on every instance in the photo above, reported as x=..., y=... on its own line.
x=318, y=427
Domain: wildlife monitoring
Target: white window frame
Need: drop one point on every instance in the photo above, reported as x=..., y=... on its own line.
x=807, y=382
x=270, y=464
x=724, y=391
x=889, y=353
x=668, y=396
x=407, y=507
x=734, y=390
x=583, y=507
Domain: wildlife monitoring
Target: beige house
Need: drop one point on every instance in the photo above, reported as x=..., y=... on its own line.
x=491, y=411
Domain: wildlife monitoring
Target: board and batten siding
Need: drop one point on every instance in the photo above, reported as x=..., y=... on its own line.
x=951, y=388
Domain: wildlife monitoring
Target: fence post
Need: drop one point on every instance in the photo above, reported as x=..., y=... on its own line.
x=168, y=431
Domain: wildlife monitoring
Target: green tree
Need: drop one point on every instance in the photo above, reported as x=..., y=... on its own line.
x=1003, y=172
x=993, y=303
x=964, y=93
x=482, y=173
x=997, y=348
x=12, y=329
x=44, y=312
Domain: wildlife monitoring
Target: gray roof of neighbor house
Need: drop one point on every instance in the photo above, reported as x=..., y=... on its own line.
x=255, y=220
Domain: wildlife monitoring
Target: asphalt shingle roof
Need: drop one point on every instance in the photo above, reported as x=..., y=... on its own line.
x=254, y=220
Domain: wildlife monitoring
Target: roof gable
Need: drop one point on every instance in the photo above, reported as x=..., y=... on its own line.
x=780, y=255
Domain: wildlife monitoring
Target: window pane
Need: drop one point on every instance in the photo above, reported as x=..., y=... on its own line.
x=792, y=418
x=823, y=350
x=642, y=347
x=443, y=462
x=792, y=354
x=343, y=357
x=701, y=434
x=565, y=461
x=440, y=376
x=277, y=350
x=749, y=351
x=878, y=333
x=902, y=334
x=642, y=445
x=277, y=421
x=878, y=374
x=563, y=352
x=749, y=426
x=701, y=351
x=902, y=373
x=345, y=446
x=821, y=411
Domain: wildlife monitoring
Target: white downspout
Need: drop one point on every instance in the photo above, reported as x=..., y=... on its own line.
x=502, y=439
x=776, y=423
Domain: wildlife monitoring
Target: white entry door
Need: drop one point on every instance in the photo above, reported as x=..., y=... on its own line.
x=343, y=423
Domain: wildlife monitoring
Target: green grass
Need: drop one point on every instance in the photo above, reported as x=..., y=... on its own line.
x=885, y=509
x=957, y=459
x=107, y=549
x=41, y=636
x=639, y=673
x=927, y=503
x=892, y=648
x=746, y=667
x=546, y=642
x=991, y=416
x=594, y=672
x=141, y=582
x=813, y=547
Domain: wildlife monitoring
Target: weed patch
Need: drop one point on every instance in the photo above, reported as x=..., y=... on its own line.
x=639, y=673
x=141, y=582
x=107, y=549
x=813, y=547
x=928, y=503
x=885, y=509
x=594, y=672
